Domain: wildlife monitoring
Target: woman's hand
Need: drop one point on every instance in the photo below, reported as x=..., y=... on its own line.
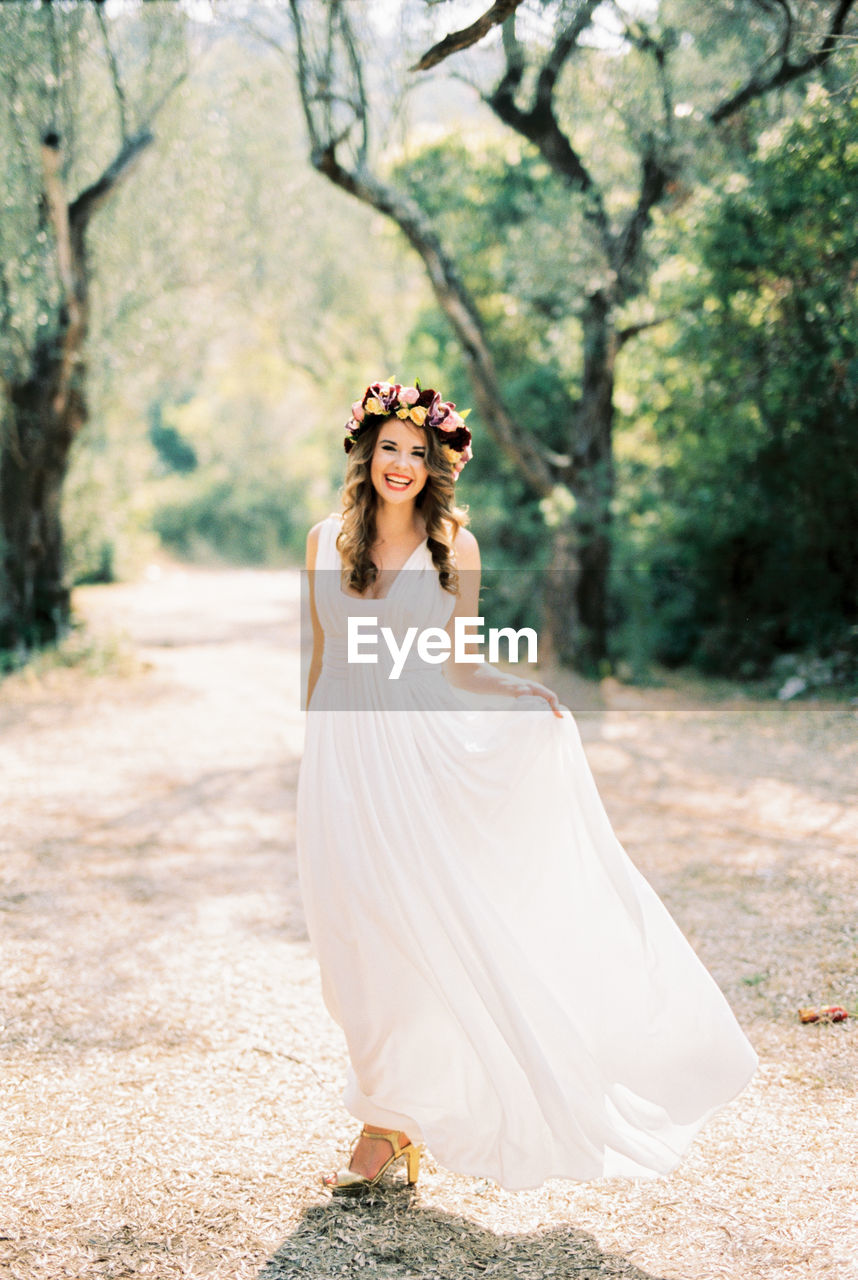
x=532, y=688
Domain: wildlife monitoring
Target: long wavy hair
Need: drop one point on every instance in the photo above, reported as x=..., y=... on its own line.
x=436, y=502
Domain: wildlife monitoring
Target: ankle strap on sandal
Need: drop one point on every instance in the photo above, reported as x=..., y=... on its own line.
x=389, y=1135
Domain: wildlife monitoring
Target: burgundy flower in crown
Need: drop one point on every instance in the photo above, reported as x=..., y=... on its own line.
x=424, y=407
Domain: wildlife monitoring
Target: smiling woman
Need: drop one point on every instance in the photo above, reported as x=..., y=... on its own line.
x=399, y=460
x=406, y=448
x=472, y=911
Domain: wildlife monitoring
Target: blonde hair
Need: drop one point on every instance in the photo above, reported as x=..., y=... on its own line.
x=436, y=502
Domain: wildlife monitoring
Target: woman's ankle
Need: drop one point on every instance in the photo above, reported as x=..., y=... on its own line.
x=375, y=1131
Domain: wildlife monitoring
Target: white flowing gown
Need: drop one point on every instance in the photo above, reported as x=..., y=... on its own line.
x=512, y=991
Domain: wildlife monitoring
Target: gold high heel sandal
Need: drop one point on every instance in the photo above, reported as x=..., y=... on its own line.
x=346, y=1180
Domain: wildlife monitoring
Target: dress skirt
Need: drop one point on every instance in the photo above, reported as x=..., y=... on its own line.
x=512, y=991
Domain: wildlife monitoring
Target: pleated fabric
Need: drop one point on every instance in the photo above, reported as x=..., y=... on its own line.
x=512, y=991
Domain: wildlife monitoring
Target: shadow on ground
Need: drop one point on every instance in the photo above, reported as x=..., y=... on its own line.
x=389, y=1234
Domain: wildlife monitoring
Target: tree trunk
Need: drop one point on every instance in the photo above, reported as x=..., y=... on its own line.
x=44, y=411
x=577, y=595
x=34, y=598
x=577, y=611
x=577, y=635
x=576, y=598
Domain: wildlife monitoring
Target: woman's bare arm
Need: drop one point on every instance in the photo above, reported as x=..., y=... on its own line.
x=483, y=677
x=318, y=633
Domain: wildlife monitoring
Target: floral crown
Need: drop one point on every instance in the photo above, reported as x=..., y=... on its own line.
x=424, y=408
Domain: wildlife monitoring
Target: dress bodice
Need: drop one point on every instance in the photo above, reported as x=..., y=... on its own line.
x=414, y=600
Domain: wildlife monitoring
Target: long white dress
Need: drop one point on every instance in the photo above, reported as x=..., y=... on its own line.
x=512, y=991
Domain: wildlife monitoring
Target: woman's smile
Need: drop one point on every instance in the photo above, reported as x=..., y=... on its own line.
x=397, y=481
x=398, y=466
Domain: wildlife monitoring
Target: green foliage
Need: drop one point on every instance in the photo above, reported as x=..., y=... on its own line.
x=239, y=522
x=87, y=652
x=257, y=470
x=175, y=453
x=747, y=524
x=523, y=248
x=234, y=320
x=56, y=78
x=519, y=241
x=232, y=350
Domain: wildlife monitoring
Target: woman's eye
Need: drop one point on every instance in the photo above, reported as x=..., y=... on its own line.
x=390, y=448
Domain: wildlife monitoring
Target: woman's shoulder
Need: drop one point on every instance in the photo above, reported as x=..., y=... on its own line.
x=466, y=548
x=315, y=534
x=335, y=517
x=463, y=537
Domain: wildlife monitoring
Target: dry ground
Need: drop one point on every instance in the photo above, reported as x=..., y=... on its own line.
x=170, y=1079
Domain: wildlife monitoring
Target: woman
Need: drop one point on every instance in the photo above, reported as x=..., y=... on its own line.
x=511, y=990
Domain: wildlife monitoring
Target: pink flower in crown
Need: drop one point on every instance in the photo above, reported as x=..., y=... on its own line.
x=422, y=407
x=446, y=420
x=387, y=395
x=432, y=405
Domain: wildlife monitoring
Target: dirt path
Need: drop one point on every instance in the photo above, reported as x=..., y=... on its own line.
x=170, y=1079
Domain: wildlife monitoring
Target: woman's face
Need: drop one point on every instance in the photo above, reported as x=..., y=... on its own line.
x=398, y=468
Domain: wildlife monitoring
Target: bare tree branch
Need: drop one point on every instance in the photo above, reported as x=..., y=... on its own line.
x=452, y=296
x=362, y=108
x=457, y=306
x=468, y=36
x=158, y=105
x=786, y=39
x=632, y=330
x=787, y=71
x=56, y=68
x=92, y=197
x=118, y=87
x=657, y=164
x=638, y=33
x=539, y=124
x=265, y=36
x=656, y=171
x=510, y=82
x=565, y=44
x=304, y=87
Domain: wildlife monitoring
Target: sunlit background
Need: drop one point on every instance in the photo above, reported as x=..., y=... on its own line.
x=658, y=267
x=239, y=301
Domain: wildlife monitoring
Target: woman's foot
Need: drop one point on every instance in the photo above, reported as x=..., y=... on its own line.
x=370, y=1153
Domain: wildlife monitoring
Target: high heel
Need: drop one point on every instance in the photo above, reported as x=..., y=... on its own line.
x=346, y=1180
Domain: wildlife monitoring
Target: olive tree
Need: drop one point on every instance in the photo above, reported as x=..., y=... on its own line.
x=695, y=75
x=80, y=94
